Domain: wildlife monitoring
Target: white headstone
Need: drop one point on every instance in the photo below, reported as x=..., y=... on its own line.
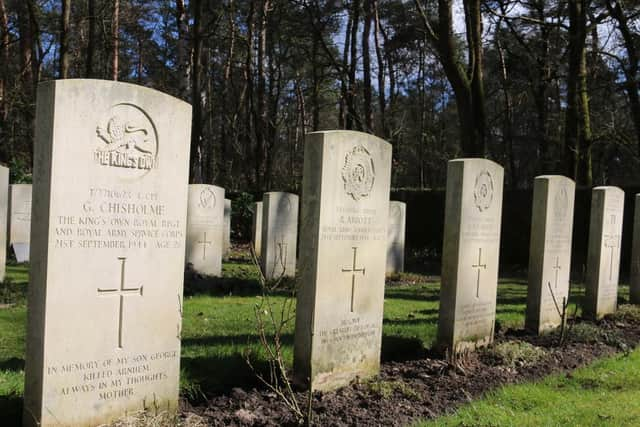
x=226, y=244
x=549, y=251
x=634, y=288
x=395, y=237
x=205, y=229
x=343, y=250
x=108, y=247
x=279, y=234
x=257, y=228
x=4, y=216
x=470, y=254
x=20, y=220
x=603, y=256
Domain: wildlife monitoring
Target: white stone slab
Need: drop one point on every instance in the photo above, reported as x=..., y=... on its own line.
x=4, y=218
x=226, y=234
x=257, y=228
x=279, y=234
x=395, y=237
x=634, y=288
x=205, y=229
x=343, y=250
x=549, y=251
x=107, y=251
x=603, y=256
x=470, y=254
x=20, y=220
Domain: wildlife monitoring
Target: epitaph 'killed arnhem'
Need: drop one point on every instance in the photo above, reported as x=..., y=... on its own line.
x=257, y=228
x=343, y=249
x=395, y=237
x=279, y=234
x=205, y=229
x=20, y=220
x=470, y=254
x=603, y=256
x=4, y=218
x=226, y=229
x=634, y=286
x=108, y=248
x=549, y=251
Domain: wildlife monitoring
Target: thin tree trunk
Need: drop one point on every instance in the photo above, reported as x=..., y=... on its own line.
x=63, y=71
x=352, y=114
x=344, y=89
x=196, y=97
x=183, y=58
x=4, y=62
x=366, y=67
x=91, y=42
x=381, y=74
x=115, y=39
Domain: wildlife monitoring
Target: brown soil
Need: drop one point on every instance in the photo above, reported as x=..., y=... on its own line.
x=414, y=389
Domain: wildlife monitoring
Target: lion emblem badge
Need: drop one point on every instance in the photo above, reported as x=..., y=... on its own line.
x=483, y=191
x=358, y=173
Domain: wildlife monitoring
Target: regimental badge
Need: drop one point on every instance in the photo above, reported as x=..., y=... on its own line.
x=127, y=139
x=561, y=203
x=358, y=173
x=483, y=191
x=207, y=199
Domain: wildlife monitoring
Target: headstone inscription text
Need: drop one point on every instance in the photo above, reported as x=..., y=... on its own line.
x=109, y=222
x=549, y=251
x=343, y=251
x=470, y=254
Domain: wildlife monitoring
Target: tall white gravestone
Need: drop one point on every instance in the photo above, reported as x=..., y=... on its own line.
x=395, y=237
x=603, y=256
x=108, y=249
x=279, y=234
x=634, y=287
x=549, y=251
x=257, y=228
x=343, y=249
x=4, y=217
x=205, y=229
x=470, y=254
x=20, y=220
x=226, y=244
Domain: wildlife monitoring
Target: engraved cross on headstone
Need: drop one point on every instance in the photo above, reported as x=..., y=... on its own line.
x=120, y=292
x=204, y=242
x=557, y=267
x=282, y=253
x=478, y=266
x=353, y=270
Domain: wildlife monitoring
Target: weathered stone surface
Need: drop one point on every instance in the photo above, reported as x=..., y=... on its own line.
x=470, y=254
x=634, y=288
x=205, y=228
x=257, y=228
x=279, y=234
x=603, y=256
x=549, y=251
x=20, y=220
x=108, y=249
x=4, y=217
x=226, y=230
x=395, y=237
x=343, y=249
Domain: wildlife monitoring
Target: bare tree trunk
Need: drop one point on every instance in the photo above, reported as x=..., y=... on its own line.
x=508, y=116
x=381, y=74
x=260, y=109
x=196, y=97
x=344, y=89
x=4, y=62
x=115, y=36
x=226, y=83
x=352, y=113
x=91, y=42
x=183, y=58
x=63, y=71
x=366, y=67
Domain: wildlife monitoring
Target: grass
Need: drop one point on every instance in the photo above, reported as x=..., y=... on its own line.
x=603, y=393
x=219, y=326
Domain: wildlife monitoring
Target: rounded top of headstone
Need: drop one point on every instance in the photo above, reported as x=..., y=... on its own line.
x=608, y=189
x=477, y=161
x=352, y=134
x=555, y=178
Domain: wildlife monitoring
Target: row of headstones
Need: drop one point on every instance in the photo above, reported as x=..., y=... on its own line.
x=276, y=218
x=108, y=243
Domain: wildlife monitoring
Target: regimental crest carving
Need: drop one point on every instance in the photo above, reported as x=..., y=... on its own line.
x=207, y=199
x=358, y=173
x=126, y=138
x=483, y=191
x=561, y=203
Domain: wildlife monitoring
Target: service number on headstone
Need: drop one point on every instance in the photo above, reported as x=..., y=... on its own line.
x=343, y=258
x=108, y=248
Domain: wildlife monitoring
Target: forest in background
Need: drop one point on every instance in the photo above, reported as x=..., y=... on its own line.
x=538, y=86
